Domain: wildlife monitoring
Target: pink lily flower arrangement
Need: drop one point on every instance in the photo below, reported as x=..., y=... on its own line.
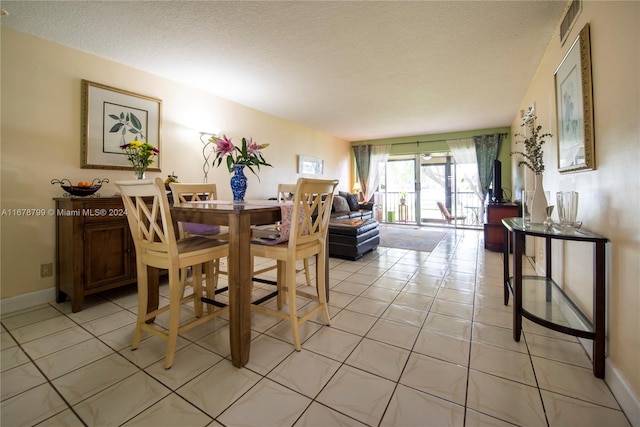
x=248, y=155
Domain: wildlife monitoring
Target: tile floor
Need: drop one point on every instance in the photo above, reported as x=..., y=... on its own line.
x=416, y=339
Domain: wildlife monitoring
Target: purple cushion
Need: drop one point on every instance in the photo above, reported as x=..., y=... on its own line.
x=201, y=229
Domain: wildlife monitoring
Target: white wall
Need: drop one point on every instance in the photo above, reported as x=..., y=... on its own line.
x=610, y=195
x=41, y=139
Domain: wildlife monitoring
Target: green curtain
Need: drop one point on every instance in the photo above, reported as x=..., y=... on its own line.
x=370, y=160
x=486, y=152
x=362, y=153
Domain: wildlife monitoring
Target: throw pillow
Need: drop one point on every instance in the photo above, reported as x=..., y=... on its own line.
x=340, y=204
x=352, y=200
x=201, y=229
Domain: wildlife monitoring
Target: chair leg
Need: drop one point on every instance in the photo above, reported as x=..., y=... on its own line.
x=211, y=278
x=215, y=276
x=307, y=275
x=197, y=289
x=281, y=280
x=143, y=298
x=293, y=309
x=184, y=275
x=174, y=316
x=320, y=287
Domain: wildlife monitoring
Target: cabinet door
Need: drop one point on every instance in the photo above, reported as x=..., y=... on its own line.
x=107, y=254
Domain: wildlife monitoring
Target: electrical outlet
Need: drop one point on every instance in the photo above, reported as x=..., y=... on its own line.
x=540, y=254
x=46, y=270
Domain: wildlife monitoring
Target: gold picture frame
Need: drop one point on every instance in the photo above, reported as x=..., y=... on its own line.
x=574, y=107
x=112, y=117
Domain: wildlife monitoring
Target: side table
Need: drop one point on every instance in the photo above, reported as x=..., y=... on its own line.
x=402, y=213
x=542, y=301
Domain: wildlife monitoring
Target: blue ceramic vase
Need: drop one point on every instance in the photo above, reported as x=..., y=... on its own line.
x=238, y=183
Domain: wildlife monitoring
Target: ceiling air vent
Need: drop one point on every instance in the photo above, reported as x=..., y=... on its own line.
x=569, y=18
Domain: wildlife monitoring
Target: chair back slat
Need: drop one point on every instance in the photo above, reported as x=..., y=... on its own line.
x=148, y=215
x=285, y=191
x=312, y=203
x=193, y=192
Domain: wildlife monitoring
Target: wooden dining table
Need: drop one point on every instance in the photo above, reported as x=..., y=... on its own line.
x=239, y=217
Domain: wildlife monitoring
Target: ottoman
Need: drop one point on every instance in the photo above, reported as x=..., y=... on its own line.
x=352, y=238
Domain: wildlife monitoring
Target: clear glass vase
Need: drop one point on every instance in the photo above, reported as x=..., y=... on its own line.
x=139, y=173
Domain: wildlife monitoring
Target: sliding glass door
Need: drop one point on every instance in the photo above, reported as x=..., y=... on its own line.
x=398, y=190
x=413, y=187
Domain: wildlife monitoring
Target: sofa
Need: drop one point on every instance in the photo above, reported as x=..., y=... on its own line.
x=352, y=230
x=346, y=206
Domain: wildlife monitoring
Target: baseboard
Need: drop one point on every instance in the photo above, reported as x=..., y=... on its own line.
x=622, y=391
x=624, y=394
x=32, y=299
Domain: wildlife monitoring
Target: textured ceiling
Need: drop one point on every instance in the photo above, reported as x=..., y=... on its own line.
x=354, y=69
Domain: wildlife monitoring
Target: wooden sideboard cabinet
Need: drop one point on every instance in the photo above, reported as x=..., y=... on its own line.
x=493, y=229
x=95, y=251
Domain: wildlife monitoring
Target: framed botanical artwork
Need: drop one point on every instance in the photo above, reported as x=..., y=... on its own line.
x=308, y=165
x=113, y=117
x=574, y=107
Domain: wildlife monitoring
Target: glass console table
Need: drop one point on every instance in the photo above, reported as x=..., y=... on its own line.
x=542, y=301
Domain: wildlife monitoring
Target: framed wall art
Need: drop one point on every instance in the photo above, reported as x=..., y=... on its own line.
x=112, y=117
x=574, y=107
x=308, y=165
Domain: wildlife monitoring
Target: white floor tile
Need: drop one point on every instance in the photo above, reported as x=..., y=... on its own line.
x=122, y=401
x=572, y=381
x=379, y=358
x=267, y=404
x=12, y=357
x=21, y=410
x=355, y=323
x=358, y=394
x=398, y=334
x=444, y=347
x=436, y=377
x=504, y=399
x=456, y=327
x=19, y=379
x=189, y=362
x=82, y=383
x=56, y=341
x=305, y=372
x=333, y=343
x=416, y=339
x=217, y=388
x=171, y=411
x=410, y=407
x=507, y=364
x=565, y=411
x=320, y=416
x=74, y=357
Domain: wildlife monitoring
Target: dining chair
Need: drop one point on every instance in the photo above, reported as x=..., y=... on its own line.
x=197, y=192
x=152, y=230
x=308, y=222
x=285, y=192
